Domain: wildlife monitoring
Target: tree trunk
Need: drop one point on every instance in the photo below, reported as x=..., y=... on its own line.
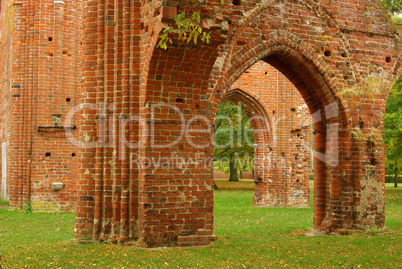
x=215, y=187
x=252, y=173
x=241, y=174
x=233, y=171
x=396, y=175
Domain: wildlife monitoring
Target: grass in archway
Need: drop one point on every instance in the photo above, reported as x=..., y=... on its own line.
x=249, y=237
x=243, y=184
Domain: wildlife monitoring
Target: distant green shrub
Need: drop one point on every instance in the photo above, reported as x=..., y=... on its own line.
x=396, y=19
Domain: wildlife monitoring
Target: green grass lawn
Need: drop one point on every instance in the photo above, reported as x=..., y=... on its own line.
x=249, y=237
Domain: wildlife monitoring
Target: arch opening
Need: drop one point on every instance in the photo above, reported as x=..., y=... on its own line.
x=313, y=81
x=281, y=124
x=392, y=136
x=234, y=141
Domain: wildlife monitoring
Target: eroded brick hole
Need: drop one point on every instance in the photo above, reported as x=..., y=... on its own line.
x=236, y=2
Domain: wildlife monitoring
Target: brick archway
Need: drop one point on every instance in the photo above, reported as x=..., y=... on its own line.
x=157, y=91
x=397, y=69
x=282, y=150
x=144, y=108
x=277, y=52
x=326, y=108
x=263, y=140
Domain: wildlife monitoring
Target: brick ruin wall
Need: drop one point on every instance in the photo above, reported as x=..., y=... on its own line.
x=6, y=29
x=342, y=56
x=42, y=50
x=39, y=98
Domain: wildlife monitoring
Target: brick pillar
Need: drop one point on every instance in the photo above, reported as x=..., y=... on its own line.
x=9, y=29
x=89, y=190
x=108, y=184
x=176, y=198
x=368, y=164
x=21, y=89
x=14, y=164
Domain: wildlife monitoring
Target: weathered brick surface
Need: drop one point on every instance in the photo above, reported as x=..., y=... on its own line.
x=5, y=84
x=42, y=56
x=341, y=55
x=333, y=53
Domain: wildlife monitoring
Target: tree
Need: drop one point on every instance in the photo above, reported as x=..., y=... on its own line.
x=393, y=130
x=393, y=6
x=234, y=138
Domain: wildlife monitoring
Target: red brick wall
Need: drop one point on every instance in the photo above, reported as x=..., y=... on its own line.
x=334, y=53
x=54, y=88
x=6, y=27
x=45, y=82
x=340, y=55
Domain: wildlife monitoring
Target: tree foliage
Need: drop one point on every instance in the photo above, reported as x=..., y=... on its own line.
x=188, y=29
x=234, y=138
x=187, y=26
x=393, y=129
x=393, y=6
